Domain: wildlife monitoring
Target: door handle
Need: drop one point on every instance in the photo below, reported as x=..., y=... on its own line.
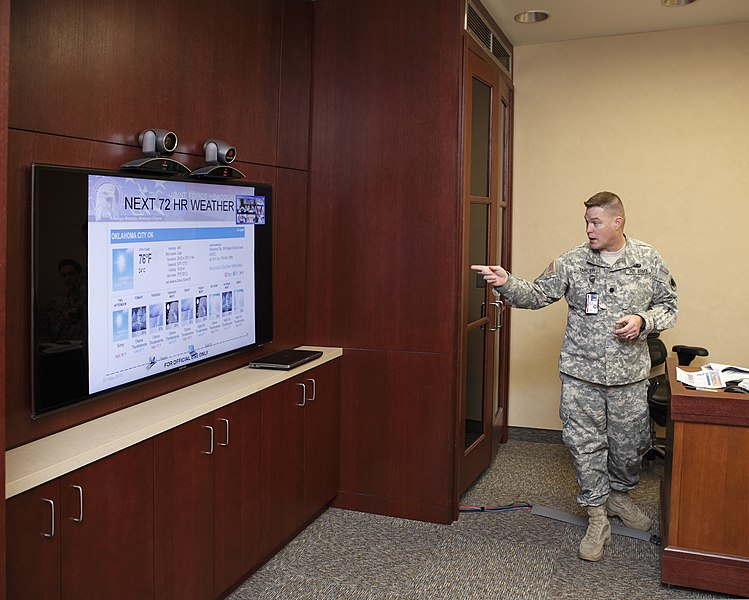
x=304, y=395
x=226, y=437
x=314, y=389
x=52, y=518
x=210, y=450
x=497, y=312
x=78, y=519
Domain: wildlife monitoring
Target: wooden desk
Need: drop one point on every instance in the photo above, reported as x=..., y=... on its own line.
x=705, y=491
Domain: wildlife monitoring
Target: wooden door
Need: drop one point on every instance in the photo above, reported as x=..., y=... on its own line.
x=183, y=510
x=482, y=413
x=321, y=438
x=282, y=489
x=33, y=543
x=501, y=364
x=236, y=485
x=106, y=527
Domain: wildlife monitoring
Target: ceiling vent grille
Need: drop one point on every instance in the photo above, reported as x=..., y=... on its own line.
x=483, y=33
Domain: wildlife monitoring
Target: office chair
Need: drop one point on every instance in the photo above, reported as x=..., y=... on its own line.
x=659, y=392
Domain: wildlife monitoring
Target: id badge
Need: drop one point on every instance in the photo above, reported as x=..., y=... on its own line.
x=591, y=303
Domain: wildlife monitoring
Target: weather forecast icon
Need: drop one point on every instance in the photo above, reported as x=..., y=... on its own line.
x=122, y=269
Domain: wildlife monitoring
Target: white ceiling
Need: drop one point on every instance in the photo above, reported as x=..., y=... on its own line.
x=578, y=19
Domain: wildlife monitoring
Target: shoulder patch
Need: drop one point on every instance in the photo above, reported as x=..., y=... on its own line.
x=552, y=268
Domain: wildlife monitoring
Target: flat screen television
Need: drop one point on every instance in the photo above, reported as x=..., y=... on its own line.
x=137, y=275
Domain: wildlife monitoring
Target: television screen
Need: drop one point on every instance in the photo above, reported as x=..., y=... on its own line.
x=135, y=275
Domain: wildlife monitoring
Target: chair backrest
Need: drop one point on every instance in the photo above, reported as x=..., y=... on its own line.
x=657, y=349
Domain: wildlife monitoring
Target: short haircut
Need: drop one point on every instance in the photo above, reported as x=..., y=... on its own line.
x=606, y=200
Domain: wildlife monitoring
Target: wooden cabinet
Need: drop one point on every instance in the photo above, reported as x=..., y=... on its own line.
x=33, y=543
x=207, y=502
x=704, y=515
x=300, y=452
x=177, y=515
x=88, y=534
x=183, y=510
x=321, y=439
x=236, y=491
x=282, y=469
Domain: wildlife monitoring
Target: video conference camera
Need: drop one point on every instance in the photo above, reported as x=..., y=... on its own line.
x=157, y=146
x=157, y=142
x=218, y=152
x=218, y=156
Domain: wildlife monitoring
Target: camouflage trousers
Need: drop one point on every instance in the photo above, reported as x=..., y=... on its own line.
x=607, y=430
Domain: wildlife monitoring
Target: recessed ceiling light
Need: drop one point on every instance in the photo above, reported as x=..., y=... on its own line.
x=532, y=16
x=677, y=2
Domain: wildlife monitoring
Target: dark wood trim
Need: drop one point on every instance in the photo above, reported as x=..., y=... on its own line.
x=507, y=264
x=383, y=270
x=461, y=307
x=289, y=257
x=704, y=543
x=397, y=433
x=421, y=511
x=294, y=87
x=706, y=571
x=85, y=73
x=720, y=408
x=4, y=79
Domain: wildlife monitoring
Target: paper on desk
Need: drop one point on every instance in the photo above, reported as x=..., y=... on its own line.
x=707, y=378
x=728, y=372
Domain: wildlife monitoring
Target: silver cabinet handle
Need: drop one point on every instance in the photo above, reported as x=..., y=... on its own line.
x=79, y=519
x=497, y=310
x=226, y=437
x=210, y=450
x=52, y=518
x=304, y=395
x=314, y=389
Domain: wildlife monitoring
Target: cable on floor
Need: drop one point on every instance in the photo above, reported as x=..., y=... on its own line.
x=561, y=516
x=493, y=509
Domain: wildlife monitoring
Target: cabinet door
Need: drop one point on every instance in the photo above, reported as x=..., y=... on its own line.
x=106, y=527
x=321, y=438
x=183, y=510
x=282, y=463
x=33, y=543
x=236, y=482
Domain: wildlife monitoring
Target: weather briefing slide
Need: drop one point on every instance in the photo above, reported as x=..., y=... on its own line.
x=170, y=274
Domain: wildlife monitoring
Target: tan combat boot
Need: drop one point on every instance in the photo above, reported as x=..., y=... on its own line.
x=620, y=505
x=597, y=536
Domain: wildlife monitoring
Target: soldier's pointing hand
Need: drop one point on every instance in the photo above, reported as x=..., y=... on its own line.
x=495, y=275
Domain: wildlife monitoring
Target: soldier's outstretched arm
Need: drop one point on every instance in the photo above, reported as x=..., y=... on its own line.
x=495, y=275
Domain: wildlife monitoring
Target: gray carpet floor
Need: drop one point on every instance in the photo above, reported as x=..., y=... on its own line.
x=482, y=556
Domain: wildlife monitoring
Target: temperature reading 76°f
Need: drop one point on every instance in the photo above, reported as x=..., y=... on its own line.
x=144, y=258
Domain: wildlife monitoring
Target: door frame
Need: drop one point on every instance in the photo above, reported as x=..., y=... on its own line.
x=474, y=460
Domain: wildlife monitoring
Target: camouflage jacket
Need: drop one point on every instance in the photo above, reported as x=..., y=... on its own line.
x=638, y=283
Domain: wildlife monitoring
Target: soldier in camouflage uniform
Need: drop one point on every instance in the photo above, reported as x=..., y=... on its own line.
x=618, y=290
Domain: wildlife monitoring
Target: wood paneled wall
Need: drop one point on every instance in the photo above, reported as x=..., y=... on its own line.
x=4, y=60
x=384, y=241
x=85, y=78
x=369, y=264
